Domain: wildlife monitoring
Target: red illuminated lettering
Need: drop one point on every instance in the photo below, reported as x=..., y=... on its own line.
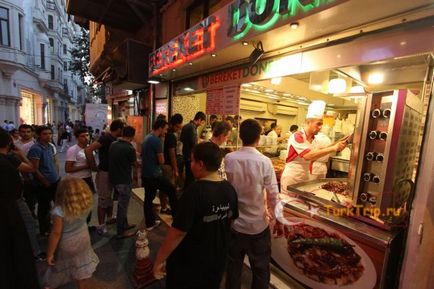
x=198, y=40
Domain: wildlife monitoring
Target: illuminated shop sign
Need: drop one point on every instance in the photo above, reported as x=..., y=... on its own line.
x=236, y=75
x=261, y=15
x=191, y=44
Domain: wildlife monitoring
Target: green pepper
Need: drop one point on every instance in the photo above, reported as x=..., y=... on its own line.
x=326, y=242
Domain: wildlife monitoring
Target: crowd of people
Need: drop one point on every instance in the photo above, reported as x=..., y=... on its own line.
x=217, y=201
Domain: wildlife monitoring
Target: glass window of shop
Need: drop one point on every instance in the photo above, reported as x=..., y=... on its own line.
x=27, y=108
x=4, y=27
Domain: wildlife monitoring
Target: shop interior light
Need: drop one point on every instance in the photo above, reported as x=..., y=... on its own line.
x=256, y=54
x=213, y=55
x=154, y=80
x=337, y=85
x=189, y=89
x=190, y=63
x=276, y=80
x=245, y=43
x=294, y=25
x=357, y=89
x=376, y=78
x=246, y=85
x=319, y=81
x=268, y=90
x=302, y=103
x=174, y=69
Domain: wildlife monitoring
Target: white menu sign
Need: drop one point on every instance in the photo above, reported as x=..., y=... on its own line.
x=224, y=100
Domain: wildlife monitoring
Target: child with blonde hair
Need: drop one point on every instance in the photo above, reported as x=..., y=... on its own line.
x=69, y=238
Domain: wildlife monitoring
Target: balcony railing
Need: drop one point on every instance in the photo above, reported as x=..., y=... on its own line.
x=51, y=5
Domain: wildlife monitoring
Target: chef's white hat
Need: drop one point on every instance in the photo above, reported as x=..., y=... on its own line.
x=316, y=109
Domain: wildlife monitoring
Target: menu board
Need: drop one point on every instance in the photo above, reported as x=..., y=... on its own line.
x=224, y=100
x=161, y=106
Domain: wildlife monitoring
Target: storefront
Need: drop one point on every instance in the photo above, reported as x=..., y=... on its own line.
x=376, y=79
x=31, y=108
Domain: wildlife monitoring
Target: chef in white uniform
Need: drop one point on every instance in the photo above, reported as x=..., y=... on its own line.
x=319, y=167
x=301, y=152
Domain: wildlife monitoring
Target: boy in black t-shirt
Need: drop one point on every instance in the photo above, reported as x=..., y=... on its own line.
x=196, y=244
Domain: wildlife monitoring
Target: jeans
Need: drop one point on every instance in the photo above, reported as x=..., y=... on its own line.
x=29, y=196
x=258, y=249
x=29, y=222
x=89, y=182
x=45, y=196
x=151, y=186
x=189, y=178
x=124, y=192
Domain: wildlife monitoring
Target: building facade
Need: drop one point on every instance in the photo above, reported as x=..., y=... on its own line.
x=36, y=86
x=121, y=36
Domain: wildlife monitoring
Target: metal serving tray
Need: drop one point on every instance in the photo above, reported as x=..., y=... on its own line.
x=304, y=191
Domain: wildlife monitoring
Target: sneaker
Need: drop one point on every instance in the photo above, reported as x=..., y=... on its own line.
x=41, y=257
x=166, y=211
x=111, y=221
x=101, y=230
x=130, y=226
x=91, y=228
x=157, y=223
x=125, y=235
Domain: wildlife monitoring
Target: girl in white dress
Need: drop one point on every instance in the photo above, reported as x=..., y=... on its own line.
x=70, y=255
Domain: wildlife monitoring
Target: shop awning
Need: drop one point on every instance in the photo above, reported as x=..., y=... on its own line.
x=125, y=65
x=127, y=15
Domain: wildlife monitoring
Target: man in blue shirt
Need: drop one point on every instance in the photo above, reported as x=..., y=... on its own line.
x=45, y=180
x=152, y=175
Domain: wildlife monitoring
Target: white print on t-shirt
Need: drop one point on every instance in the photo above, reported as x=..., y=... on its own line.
x=220, y=212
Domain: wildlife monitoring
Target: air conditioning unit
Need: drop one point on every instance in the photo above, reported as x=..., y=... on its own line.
x=285, y=110
x=252, y=106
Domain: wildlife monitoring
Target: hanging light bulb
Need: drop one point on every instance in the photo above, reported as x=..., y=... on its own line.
x=376, y=78
x=276, y=80
x=357, y=89
x=337, y=85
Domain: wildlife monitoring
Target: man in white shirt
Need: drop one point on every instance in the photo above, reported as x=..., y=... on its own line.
x=26, y=138
x=274, y=138
x=25, y=143
x=76, y=164
x=251, y=173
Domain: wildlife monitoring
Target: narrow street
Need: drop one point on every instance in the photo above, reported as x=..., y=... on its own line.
x=117, y=257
